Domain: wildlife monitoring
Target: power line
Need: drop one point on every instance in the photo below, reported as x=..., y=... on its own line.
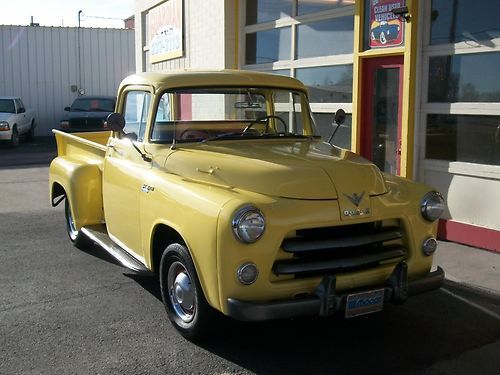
x=104, y=18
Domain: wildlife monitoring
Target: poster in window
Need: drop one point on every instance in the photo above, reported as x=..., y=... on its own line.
x=165, y=31
x=386, y=29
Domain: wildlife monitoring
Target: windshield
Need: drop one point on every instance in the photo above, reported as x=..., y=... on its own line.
x=93, y=105
x=231, y=113
x=7, y=106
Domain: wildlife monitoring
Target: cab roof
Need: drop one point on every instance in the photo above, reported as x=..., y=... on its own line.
x=214, y=78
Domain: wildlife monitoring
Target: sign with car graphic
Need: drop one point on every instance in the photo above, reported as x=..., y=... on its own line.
x=386, y=29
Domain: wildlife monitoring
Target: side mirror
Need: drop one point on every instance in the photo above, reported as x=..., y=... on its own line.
x=340, y=116
x=115, y=122
x=66, y=109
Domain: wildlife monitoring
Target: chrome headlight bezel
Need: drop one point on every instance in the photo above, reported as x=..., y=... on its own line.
x=432, y=206
x=248, y=224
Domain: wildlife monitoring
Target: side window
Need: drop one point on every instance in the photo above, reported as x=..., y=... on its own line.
x=136, y=114
x=163, y=126
x=20, y=106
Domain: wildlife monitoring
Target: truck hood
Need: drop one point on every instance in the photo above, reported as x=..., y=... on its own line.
x=289, y=169
x=5, y=116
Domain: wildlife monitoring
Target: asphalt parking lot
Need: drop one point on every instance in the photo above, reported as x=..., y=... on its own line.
x=63, y=310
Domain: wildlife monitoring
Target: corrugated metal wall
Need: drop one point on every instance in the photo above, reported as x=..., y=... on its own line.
x=40, y=64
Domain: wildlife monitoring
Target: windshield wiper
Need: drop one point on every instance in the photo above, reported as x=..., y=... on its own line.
x=236, y=135
x=224, y=136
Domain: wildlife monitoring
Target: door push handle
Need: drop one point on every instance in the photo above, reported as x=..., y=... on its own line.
x=116, y=149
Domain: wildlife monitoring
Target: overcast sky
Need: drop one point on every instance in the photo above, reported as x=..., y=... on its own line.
x=65, y=12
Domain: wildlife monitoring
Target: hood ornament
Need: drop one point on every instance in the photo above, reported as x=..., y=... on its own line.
x=355, y=198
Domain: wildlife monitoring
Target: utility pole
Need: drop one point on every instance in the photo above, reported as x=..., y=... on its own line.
x=79, y=54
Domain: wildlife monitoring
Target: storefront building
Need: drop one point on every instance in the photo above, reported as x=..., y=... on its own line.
x=418, y=80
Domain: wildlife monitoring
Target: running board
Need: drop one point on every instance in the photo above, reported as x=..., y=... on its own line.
x=99, y=235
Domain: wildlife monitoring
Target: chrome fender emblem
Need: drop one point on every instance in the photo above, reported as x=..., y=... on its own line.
x=355, y=198
x=147, y=188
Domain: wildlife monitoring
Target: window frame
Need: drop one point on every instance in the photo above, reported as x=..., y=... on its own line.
x=292, y=64
x=461, y=108
x=123, y=107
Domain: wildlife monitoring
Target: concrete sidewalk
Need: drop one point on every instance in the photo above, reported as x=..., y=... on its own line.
x=470, y=266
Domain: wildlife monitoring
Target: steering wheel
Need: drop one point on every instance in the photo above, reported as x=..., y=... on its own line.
x=266, y=120
x=193, y=134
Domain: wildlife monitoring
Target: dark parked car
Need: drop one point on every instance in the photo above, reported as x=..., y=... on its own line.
x=385, y=32
x=88, y=113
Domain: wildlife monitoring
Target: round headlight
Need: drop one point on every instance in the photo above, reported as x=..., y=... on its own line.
x=429, y=246
x=432, y=206
x=247, y=273
x=248, y=224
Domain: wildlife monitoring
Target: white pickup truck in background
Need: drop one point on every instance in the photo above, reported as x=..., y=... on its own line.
x=15, y=120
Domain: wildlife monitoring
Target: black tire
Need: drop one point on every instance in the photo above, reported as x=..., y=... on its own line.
x=187, y=308
x=14, y=139
x=382, y=38
x=77, y=237
x=31, y=133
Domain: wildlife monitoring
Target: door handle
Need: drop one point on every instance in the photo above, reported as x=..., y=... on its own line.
x=115, y=149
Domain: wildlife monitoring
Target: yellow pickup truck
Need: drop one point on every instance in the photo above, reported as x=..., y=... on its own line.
x=218, y=183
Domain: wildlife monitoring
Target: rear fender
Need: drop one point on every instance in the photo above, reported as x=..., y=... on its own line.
x=81, y=183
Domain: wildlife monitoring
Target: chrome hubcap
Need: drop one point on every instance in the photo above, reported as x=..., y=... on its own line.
x=181, y=292
x=71, y=222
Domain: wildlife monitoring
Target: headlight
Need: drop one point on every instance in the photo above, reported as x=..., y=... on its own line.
x=64, y=124
x=432, y=206
x=248, y=224
x=4, y=126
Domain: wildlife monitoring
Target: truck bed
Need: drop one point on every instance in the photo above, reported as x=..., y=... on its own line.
x=90, y=146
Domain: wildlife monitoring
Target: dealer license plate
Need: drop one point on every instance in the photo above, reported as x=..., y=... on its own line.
x=364, y=303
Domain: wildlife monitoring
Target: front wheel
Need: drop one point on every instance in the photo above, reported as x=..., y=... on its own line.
x=383, y=39
x=186, y=306
x=14, y=138
x=76, y=236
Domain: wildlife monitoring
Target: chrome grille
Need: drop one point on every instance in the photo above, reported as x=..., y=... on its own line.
x=341, y=249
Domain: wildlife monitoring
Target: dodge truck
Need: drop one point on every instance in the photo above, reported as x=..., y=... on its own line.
x=218, y=184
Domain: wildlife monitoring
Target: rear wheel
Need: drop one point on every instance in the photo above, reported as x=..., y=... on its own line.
x=31, y=133
x=76, y=236
x=186, y=306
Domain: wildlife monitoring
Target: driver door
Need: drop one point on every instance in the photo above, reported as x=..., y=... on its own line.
x=124, y=174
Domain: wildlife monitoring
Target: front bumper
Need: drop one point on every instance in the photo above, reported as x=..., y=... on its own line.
x=5, y=135
x=325, y=302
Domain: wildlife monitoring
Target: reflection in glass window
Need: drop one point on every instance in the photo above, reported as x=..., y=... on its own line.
x=473, y=139
x=325, y=126
x=268, y=46
x=328, y=84
x=288, y=107
x=259, y=11
x=308, y=6
x=281, y=72
x=136, y=114
x=464, y=78
x=464, y=21
x=324, y=38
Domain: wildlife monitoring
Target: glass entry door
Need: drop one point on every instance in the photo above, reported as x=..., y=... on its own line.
x=381, y=116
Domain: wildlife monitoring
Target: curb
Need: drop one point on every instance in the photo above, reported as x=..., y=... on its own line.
x=481, y=289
